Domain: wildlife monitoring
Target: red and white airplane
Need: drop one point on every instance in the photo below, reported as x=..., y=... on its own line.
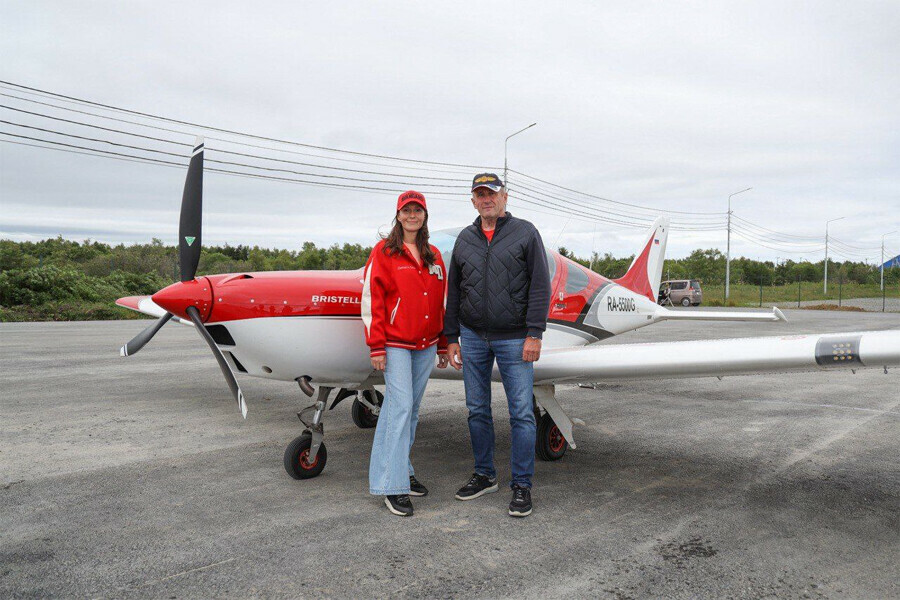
x=305, y=326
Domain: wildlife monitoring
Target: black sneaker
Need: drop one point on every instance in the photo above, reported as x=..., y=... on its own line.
x=521, y=502
x=399, y=505
x=479, y=485
x=416, y=488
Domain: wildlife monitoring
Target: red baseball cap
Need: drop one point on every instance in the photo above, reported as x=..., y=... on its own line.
x=411, y=196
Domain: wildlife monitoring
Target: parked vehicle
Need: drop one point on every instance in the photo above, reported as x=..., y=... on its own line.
x=685, y=292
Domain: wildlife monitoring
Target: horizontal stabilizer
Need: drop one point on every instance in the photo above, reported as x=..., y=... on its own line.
x=664, y=314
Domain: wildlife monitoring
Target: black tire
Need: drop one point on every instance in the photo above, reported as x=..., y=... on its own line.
x=362, y=414
x=296, y=455
x=550, y=443
x=685, y=302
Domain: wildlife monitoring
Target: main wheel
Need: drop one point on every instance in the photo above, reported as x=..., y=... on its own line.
x=550, y=443
x=362, y=415
x=685, y=301
x=296, y=458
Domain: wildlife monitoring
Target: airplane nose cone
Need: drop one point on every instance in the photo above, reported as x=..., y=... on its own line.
x=178, y=296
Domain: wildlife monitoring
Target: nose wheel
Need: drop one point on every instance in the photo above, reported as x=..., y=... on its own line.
x=297, y=461
x=305, y=457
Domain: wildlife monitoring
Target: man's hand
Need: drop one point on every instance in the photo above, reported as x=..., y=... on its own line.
x=378, y=362
x=443, y=361
x=455, y=356
x=531, y=351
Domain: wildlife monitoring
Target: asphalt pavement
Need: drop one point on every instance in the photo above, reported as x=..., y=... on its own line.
x=137, y=477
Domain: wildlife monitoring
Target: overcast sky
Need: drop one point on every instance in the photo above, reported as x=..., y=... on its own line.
x=665, y=105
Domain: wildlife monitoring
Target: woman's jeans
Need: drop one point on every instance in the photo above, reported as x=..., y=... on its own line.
x=478, y=357
x=405, y=376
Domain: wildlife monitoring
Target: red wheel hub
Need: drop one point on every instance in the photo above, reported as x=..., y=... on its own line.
x=304, y=460
x=557, y=441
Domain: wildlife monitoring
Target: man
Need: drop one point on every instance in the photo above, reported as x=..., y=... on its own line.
x=497, y=302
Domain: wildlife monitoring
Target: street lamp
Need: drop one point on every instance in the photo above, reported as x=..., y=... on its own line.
x=882, y=257
x=825, y=287
x=728, y=251
x=505, y=142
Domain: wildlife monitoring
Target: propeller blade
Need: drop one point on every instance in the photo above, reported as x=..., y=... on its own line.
x=138, y=341
x=189, y=226
x=194, y=314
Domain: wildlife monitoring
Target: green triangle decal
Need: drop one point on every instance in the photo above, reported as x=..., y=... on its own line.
x=189, y=239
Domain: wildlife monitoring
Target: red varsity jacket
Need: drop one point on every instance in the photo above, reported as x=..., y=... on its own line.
x=403, y=301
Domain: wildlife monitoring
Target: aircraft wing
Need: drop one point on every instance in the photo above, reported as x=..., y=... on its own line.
x=144, y=304
x=717, y=358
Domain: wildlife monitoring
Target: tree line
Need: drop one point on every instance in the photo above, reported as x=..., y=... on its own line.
x=63, y=279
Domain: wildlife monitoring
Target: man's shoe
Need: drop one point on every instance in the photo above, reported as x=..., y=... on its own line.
x=521, y=502
x=416, y=488
x=479, y=485
x=399, y=505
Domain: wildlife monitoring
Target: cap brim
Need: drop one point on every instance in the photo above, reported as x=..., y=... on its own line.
x=412, y=201
x=496, y=188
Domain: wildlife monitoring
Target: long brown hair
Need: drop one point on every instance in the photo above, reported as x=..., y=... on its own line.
x=394, y=241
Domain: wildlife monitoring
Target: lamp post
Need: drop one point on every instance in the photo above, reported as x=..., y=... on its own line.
x=505, y=143
x=882, y=257
x=728, y=250
x=825, y=286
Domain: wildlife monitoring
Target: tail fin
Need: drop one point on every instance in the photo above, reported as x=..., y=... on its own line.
x=645, y=272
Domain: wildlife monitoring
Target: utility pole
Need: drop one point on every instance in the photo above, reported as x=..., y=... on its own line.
x=728, y=250
x=825, y=286
x=505, y=142
x=882, y=257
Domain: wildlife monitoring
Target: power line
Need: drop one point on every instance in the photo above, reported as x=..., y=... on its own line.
x=609, y=200
x=192, y=135
x=120, y=131
x=228, y=131
x=647, y=217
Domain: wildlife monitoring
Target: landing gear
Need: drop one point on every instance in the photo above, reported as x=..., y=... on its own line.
x=305, y=457
x=365, y=410
x=554, y=427
x=296, y=458
x=550, y=443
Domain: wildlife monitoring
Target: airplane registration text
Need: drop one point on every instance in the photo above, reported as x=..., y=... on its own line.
x=620, y=304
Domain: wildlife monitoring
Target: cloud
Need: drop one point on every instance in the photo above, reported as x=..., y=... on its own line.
x=672, y=106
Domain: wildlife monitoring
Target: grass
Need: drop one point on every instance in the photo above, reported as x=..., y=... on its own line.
x=833, y=307
x=68, y=311
x=748, y=295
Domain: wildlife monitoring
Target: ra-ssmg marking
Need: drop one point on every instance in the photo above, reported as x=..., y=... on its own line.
x=616, y=304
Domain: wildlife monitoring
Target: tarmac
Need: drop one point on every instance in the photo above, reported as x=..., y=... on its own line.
x=137, y=477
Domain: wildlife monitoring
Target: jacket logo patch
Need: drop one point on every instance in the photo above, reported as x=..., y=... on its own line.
x=436, y=270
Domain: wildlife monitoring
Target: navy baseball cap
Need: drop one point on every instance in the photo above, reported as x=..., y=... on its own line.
x=488, y=180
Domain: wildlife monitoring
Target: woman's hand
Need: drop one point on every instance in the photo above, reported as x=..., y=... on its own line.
x=378, y=362
x=443, y=361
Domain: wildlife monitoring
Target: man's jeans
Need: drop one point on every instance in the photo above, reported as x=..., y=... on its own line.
x=478, y=357
x=405, y=376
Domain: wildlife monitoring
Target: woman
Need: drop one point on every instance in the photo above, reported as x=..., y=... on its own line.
x=403, y=310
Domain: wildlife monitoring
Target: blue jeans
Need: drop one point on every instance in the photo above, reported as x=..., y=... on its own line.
x=405, y=376
x=478, y=357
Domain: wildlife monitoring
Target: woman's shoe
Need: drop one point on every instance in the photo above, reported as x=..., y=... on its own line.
x=400, y=505
x=416, y=488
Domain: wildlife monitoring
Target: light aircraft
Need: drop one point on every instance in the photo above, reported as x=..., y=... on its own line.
x=305, y=327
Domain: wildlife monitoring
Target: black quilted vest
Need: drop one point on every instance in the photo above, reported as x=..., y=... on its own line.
x=494, y=278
